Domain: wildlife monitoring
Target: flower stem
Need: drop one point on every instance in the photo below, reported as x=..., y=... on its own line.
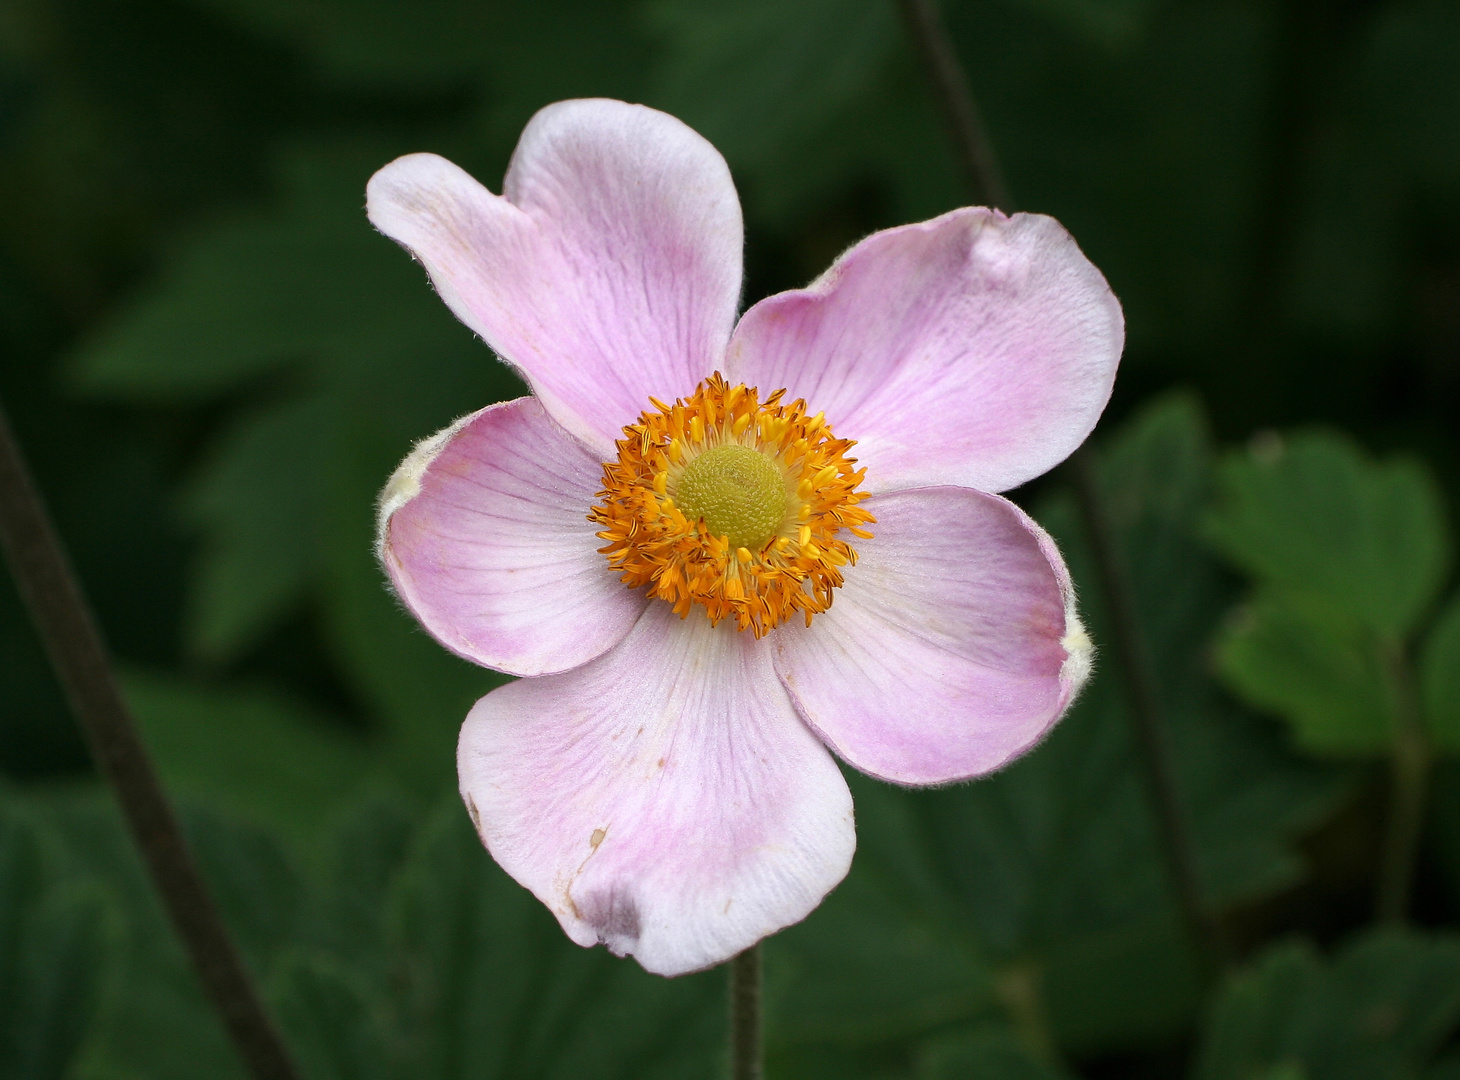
x=1409, y=763
x=746, y=1058
x=956, y=98
x=930, y=37
x=1143, y=699
x=50, y=590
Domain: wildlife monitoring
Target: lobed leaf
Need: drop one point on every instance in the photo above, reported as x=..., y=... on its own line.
x=1314, y=667
x=1380, y=1008
x=1317, y=517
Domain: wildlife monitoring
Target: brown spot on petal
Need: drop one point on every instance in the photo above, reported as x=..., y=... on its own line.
x=614, y=916
x=596, y=838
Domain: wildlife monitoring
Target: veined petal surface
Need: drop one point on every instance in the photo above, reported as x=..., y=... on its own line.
x=485, y=535
x=665, y=799
x=974, y=349
x=609, y=269
x=952, y=648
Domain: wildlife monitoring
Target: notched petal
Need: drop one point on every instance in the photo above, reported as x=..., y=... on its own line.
x=974, y=349
x=663, y=800
x=608, y=271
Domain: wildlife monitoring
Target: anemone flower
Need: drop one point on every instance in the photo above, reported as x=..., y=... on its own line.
x=716, y=552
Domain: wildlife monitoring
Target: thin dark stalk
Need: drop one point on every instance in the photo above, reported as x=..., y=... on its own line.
x=1410, y=758
x=954, y=94
x=1144, y=701
x=51, y=592
x=746, y=1059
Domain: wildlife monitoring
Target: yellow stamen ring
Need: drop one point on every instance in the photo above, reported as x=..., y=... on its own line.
x=732, y=504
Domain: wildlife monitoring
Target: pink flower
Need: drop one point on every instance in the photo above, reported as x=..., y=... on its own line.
x=702, y=582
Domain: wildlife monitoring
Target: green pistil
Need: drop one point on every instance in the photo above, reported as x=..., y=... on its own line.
x=740, y=493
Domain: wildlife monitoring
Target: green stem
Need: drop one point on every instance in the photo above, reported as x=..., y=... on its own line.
x=51, y=591
x=1410, y=758
x=746, y=1057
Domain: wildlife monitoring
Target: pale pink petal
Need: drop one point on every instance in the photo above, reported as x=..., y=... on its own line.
x=972, y=349
x=484, y=531
x=609, y=271
x=665, y=799
x=953, y=646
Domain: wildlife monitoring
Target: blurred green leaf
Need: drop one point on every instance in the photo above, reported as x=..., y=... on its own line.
x=811, y=74
x=333, y=1027
x=890, y=952
x=1314, y=515
x=309, y=281
x=495, y=989
x=260, y=551
x=52, y=951
x=1411, y=89
x=1380, y=1008
x=154, y=1020
x=1247, y=799
x=1349, y=554
x=1314, y=667
x=991, y=1053
x=251, y=752
x=1440, y=679
x=524, y=53
x=469, y=976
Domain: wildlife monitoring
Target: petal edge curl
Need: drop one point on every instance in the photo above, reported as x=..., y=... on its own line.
x=484, y=533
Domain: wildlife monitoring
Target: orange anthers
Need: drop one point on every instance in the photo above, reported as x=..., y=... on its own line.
x=792, y=564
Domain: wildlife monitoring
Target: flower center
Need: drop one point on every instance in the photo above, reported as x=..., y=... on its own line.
x=737, y=491
x=732, y=504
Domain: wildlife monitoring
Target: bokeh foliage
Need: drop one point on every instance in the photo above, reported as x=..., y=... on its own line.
x=214, y=363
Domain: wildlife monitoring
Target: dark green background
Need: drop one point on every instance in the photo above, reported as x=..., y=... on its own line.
x=213, y=363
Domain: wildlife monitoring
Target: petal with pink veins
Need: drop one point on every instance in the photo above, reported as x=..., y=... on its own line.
x=665, y=799
x=952, y=648
x=484, y=531
x=974, y=349
x=608, y=271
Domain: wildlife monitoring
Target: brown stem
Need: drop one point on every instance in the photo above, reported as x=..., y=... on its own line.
x=50, y=590
x=960, y=107
x=936, y=48
x=746, y=1059
x=1144, y=701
